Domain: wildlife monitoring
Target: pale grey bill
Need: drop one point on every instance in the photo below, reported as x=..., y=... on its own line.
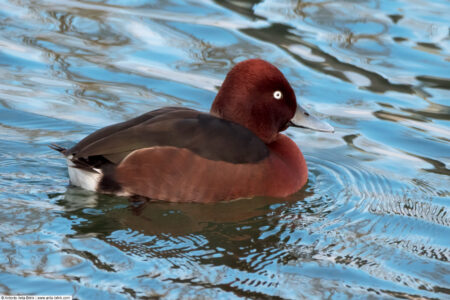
x=304, y=119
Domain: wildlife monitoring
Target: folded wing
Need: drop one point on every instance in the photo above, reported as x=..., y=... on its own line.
x=205, y=135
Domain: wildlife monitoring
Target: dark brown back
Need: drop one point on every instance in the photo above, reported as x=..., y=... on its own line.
x=203, y=134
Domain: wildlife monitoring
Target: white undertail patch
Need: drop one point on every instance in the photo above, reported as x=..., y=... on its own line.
x=84, y=179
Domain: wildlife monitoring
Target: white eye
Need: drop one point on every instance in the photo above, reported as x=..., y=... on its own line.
x=277, y=95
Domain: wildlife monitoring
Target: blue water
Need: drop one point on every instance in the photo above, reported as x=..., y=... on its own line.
x=373, y=221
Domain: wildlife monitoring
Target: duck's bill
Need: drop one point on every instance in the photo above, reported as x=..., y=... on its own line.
x=304, y=119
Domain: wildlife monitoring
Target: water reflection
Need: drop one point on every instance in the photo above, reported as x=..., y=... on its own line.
x=156, y=217
x=239, y=236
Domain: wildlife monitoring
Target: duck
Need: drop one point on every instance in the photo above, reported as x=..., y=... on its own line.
x=178, y=154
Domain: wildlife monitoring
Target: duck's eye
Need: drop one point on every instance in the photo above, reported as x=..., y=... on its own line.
x=277, y=95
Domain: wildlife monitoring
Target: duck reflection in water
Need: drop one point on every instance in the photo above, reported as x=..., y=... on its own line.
x=104, y=214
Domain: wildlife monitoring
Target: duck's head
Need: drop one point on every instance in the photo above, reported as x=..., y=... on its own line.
x=256, y=95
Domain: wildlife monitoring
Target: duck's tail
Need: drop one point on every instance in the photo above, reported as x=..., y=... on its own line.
x=57, y=148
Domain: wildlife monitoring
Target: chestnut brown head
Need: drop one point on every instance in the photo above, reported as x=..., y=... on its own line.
x=256, y=95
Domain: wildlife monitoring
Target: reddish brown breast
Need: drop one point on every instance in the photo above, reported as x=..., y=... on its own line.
x=288, y=169
x=179, y=175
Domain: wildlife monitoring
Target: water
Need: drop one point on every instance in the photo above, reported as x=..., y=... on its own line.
x=373, y=220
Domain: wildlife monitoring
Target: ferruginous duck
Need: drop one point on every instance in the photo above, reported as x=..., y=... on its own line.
x=179, y=154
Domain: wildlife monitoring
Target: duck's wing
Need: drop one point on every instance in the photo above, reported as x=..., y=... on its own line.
x=111, y=130
x=203, y=134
